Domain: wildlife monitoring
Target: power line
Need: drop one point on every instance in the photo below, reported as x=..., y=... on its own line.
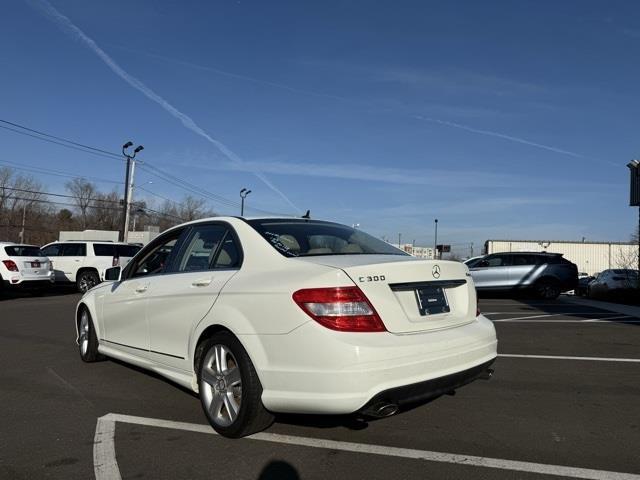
x=88, y=147
x=57, y=143
x=56, y=173
x=153, y=170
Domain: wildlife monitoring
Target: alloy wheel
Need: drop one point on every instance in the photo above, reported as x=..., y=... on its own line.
x=222, y=385
x=83, y=333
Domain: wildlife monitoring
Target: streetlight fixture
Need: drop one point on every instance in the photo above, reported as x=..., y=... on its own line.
x=128, y=185
x=243, y=194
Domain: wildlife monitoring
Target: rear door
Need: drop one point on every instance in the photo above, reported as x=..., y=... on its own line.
x=208, y=258
x=492, y=272
x=67, y=258
x=524, y=269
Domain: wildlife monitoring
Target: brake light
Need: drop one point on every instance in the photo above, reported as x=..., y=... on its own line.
x=345, y=309
x=11, y=265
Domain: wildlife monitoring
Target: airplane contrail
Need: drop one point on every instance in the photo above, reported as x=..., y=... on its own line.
x=68, y=27
x=505, y=137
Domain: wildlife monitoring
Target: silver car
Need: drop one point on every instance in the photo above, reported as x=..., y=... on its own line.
x=546, y=274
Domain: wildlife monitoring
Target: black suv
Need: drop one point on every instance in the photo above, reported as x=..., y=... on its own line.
x=546, y=274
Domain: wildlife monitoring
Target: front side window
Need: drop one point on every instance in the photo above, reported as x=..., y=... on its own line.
x=156, y=260
x=306, y=238
x=54, y=250
x=498, y=261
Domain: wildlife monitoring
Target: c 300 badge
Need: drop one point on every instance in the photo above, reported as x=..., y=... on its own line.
x=435, y=271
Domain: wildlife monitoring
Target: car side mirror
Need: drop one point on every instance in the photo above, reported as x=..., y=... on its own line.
x=113, y=274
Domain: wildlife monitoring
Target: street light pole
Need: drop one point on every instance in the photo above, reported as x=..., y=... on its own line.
x=399, y=237
x=435, y=242
x=128, y=186
x=243, y=194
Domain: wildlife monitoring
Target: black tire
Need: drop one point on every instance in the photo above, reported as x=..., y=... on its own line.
x=547, y=289
x=87, y=280
x=244, y=392
x=87, y=339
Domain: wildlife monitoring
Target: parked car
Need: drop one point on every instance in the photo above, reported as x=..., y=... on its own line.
x=545, y=274
x=23, y=266
x=470, y=262
x=289, y=315
x=614, y=283
x=84, y=262
x=583, y=286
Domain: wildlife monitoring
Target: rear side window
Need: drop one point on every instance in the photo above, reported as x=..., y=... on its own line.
x=127, y=250
x=229, y=255
x=201, y=247
x=74, y=250
x=104, y=250
x=23, y=251
x=521, y=259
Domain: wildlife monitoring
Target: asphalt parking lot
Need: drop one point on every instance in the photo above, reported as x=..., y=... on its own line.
x=548, y=412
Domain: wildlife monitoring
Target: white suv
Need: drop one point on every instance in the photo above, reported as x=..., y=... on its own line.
x=24, y=266
x=84, y=262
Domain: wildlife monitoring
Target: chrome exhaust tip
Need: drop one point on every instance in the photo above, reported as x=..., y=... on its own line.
x=381, y=410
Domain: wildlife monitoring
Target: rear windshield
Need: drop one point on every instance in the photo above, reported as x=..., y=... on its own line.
x=23, y=251
x=300, y=238
x=111, y=250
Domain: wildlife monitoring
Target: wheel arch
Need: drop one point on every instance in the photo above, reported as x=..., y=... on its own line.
x=84, y=305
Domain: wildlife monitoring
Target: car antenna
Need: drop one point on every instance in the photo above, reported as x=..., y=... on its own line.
x=307, y=215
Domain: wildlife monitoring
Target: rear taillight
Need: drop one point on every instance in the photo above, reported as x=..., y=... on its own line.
x=345, y=309
x=11, y=265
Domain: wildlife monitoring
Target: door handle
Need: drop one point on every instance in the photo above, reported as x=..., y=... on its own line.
x=202, y=283
x=142, y=288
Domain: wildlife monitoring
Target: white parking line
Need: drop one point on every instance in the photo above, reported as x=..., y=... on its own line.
x=619, y=319
x=557, y=357
x=106, y=467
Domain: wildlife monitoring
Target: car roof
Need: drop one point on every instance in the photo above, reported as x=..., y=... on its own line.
x=12, y=244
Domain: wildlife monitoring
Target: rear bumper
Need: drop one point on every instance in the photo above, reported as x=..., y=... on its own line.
x=315, y=370
x=26, y=283
x=421, y=392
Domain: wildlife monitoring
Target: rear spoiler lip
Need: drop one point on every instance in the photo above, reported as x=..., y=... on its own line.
x=400, y=287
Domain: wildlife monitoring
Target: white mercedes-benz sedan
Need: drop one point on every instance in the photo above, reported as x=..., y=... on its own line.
x=261, y=316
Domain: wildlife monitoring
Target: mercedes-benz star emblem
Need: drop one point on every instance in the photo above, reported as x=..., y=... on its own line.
x=435, y=271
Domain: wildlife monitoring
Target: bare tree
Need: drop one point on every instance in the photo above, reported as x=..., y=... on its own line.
x=83, y=193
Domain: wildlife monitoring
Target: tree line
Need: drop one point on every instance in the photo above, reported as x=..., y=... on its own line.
x=26, y=206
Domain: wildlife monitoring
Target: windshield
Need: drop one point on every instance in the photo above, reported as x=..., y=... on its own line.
x=306, y=238
x=23, y=251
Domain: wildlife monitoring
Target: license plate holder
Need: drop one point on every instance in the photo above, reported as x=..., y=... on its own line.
x=432, y=300
x=35, y=264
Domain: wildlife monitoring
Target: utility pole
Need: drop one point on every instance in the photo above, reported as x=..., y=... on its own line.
x=435, y=242
x=634, y=200
x=399, y=237
x=24, y=217
x=128, y=187
x=471, y=256
x=243, y=194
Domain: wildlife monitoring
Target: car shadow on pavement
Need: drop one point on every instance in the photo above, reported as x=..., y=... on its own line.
x=279, y=470
x=561, y=308
x=12, y=294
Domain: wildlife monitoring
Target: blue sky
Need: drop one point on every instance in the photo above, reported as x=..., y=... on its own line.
x=501, y=119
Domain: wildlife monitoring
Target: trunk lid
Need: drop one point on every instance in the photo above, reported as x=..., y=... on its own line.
x=409, y=294
x=37, y=266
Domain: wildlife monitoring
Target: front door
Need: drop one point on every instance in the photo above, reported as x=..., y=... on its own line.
x=125, y=304
x=492, y=272
x=207, y=260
